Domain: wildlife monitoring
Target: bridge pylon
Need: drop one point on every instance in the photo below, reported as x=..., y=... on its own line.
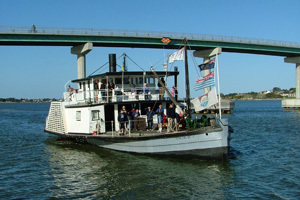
x=293, y=103
x=81, y=51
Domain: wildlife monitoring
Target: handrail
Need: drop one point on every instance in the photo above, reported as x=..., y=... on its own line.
x=136, y=33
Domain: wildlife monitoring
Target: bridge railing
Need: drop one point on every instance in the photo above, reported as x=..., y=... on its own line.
x=135, y=33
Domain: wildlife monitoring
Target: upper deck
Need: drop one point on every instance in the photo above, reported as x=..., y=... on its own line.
x=112, y=87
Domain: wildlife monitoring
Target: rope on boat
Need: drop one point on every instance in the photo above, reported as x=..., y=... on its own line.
x=98, y=69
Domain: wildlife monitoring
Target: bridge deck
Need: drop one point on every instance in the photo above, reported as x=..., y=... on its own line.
x=44, y=36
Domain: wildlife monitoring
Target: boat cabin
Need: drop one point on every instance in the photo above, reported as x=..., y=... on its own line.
x=99, y=98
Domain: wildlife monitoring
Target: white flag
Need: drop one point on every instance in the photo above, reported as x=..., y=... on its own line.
x=205, y=101
x=178, y=55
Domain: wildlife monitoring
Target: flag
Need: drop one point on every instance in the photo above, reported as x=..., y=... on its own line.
x=205, y=101
x=178, y=55
x=206, y=81
x=124, y=63
x=209, y=65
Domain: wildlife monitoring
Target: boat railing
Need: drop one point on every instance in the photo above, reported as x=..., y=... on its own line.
x=131, y=126
x=138, y=126
x=111, y=96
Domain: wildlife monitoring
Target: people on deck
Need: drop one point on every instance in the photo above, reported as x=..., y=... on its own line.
x=145, y=90
x=134, y=91
x=181, y=122
x=102, y=89
x=117, y=90
x=150, y=113
x=171, y=118
x=96, y=89
x=70, y=89
x=122, y=118
x=135, y=116
x=173, y=91
x=160, y=115
x=110, y=87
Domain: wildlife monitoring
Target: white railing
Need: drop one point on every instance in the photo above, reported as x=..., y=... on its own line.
x=131, y=126
x=104, y=96
x=150, y=34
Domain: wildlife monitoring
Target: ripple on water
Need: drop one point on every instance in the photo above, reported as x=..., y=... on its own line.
x=265, y=162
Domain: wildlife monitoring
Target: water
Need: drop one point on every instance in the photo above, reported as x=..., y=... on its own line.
x=264, y=161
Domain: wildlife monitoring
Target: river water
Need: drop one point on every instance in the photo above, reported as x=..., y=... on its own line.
x=264, y=161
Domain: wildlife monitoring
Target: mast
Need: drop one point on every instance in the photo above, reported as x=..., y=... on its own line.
x=187, y=80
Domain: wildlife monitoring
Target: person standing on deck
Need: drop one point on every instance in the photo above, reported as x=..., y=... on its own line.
x=122, y=120
x=135, y=116
x=160, y=115
x=145, y=91
x=110, y=87
x=102, y=90
x=96, y=90
x=171, y=118
x=70, y=91
x=134, y=92
x=150, y=113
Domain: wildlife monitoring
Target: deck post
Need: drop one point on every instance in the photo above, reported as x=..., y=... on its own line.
x=116, y=113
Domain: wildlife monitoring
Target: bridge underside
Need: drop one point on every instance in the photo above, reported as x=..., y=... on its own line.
x=143, y=42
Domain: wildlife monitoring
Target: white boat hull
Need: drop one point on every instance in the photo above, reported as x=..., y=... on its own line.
x=212, y=144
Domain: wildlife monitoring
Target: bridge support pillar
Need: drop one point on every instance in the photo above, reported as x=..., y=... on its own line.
x=81, y=51
x=293, y=103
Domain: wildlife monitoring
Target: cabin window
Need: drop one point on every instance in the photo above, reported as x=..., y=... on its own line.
x=150, y=80
x=126, y=80
x=140, y=80
x=78, y=115
x=118, y=81
x=95, y=115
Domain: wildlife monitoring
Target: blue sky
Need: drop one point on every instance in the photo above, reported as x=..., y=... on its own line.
x=41, y=72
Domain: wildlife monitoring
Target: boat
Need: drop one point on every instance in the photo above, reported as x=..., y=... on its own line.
x=90, y=114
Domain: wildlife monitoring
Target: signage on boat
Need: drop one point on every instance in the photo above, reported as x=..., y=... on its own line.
x=205, y=101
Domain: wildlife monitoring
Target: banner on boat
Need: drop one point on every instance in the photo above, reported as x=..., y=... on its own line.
x=205, y=101
x=178, y=55
x=209, y=65
x=206, y=81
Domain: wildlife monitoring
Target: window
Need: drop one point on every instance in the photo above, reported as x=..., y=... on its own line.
x=151, y=81
x=78, y=115
x=118, y=81
x=95, y=115
x=126, y=80
x=140, y=80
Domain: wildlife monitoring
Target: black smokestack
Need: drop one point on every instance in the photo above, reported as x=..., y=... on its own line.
x=112, y=63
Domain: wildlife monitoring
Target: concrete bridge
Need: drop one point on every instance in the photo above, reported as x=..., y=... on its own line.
x=82, y=41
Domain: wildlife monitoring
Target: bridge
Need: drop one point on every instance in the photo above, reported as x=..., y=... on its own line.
x=45, y=36
x=82, y=41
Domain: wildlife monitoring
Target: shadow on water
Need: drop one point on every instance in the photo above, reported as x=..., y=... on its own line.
x=86, y=171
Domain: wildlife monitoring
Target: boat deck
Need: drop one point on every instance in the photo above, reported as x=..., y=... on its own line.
x=148, y=134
